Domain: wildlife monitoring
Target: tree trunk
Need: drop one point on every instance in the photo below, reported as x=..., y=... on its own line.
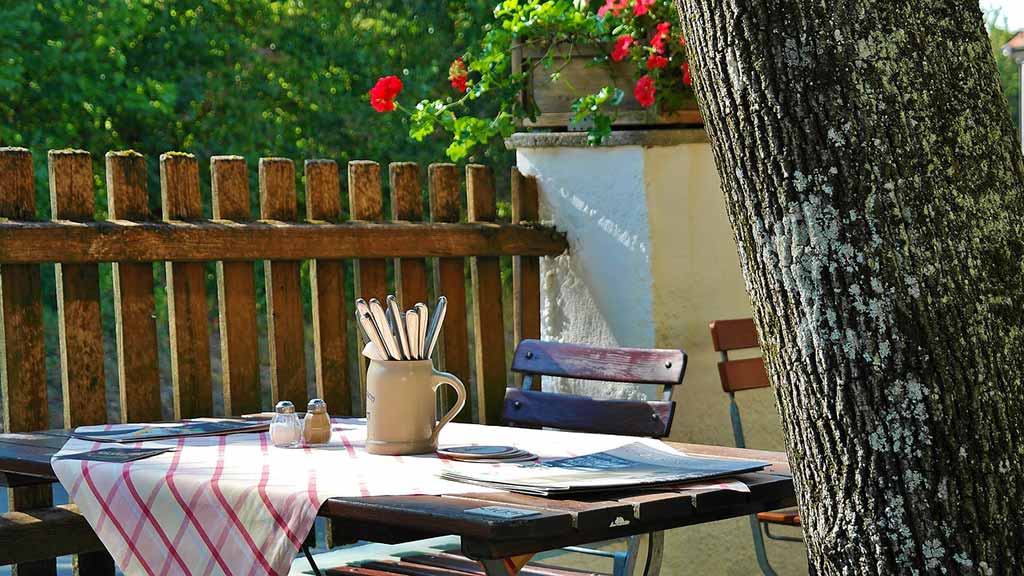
x=877, y=201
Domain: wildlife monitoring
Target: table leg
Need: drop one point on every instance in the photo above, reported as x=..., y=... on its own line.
x=505, y=566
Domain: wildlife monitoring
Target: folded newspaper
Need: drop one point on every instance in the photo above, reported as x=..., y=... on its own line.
x=632, y=466
x=198, y=427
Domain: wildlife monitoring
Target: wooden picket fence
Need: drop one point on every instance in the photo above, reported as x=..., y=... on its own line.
x=133, y=240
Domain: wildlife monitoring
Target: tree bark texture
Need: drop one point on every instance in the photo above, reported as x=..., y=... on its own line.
x=877, y=201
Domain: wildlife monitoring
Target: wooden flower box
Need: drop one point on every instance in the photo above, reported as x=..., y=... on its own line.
x=578, y=75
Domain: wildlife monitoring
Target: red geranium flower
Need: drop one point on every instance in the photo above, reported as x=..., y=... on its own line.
x=384, y=92
x=642, y=6
x=687, y=79
x=656, y=61
x=682, y=41
x=644, y=91
x=662, y=32
x=621, y=50
x=615, y=6
x=458, y=75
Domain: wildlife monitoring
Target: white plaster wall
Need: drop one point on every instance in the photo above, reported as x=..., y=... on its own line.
x=602, y=292
x=652, y=261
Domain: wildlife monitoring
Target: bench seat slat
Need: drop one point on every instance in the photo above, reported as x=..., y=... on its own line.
x=43, y=533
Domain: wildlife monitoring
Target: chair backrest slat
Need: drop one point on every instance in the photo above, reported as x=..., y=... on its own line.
x=536, y=358
x=186, y=295
x=236, y=294
x=738, y=375
x=629, y=365
x=745, y=374
x=327, y=285
x=411, y=283
x=138, y=361
x=78, y=296
x=22, y=348
x=450, y=280
x=488, y=316
x=525, y=269
x=735, y=334
x=285, y=326
x=582, y=414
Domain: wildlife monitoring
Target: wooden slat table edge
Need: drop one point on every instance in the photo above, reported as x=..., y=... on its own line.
x=26, y=457
x=499, y=548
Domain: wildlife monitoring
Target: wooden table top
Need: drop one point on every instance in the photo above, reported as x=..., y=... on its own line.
x=579, y=519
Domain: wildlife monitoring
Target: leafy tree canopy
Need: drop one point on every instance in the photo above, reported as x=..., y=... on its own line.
x=248, y=77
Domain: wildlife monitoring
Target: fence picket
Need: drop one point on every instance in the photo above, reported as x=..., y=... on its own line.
x=366, y=202
x=80, y=325
x=525, y=269
x=284, y=288
x=22, y=351
x=78, y=296
x=138, y=364
x=186, y=294
x=450, y=281
x=236, y=294
x=488, y=320
x=327, y=284
x=407, y=204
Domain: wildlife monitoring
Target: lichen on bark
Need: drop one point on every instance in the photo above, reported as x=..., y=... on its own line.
x=876, y=195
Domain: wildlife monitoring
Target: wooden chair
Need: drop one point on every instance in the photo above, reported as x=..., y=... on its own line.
x=528, y=406
x=737, y=376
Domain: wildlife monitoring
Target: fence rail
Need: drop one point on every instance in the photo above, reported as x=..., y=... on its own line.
x=26, y=242
x=132, y=239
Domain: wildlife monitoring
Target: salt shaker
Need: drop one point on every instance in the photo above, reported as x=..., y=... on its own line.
x=316, y=427
x=285, y=428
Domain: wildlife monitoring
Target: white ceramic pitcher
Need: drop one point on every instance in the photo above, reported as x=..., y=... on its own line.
x=401, y=400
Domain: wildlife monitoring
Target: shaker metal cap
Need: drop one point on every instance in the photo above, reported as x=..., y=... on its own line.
x=316, y=406
x=284, y=407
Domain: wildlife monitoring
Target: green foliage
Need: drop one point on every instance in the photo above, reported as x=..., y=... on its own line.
x=550, y=26
x=248, y=77
x=1009, y=72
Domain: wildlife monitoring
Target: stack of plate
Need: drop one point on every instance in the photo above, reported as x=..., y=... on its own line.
x=486, y=454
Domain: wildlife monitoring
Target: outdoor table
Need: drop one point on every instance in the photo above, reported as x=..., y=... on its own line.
x=25, y=460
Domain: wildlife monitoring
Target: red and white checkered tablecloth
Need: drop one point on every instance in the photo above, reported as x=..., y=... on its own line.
x=237, y=505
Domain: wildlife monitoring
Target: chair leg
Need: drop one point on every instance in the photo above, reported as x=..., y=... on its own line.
x=625, y=562
x=655, y=553
x=759, y=549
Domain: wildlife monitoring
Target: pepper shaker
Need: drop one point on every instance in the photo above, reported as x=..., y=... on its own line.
x=316, y=427
x=285, y=428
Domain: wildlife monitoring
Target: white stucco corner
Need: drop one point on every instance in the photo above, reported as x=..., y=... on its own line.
x=652, y=262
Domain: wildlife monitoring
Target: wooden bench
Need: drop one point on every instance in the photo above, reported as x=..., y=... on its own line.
x=423, y=250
